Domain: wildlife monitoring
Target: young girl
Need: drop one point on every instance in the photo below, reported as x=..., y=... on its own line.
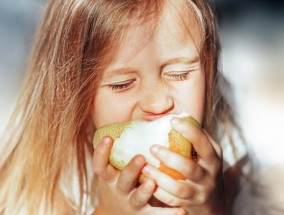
x=98, y=62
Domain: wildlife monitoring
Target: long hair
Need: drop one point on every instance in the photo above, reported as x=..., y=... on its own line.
x=48, y=137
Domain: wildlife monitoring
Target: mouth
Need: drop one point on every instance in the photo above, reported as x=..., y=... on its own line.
x=152, y=117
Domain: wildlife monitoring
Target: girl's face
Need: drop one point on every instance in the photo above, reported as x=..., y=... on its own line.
x=152, y=74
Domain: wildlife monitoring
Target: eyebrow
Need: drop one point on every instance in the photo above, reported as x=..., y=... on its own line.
x=186, y=60
x=123, y=70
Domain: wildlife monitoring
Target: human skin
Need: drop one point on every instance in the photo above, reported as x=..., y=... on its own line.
x=152, y=75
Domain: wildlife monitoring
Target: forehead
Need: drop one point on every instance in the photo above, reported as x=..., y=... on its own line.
x=182, y=18
x=176, y=28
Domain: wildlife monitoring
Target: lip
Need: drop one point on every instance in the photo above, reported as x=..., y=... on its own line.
x=152, y=117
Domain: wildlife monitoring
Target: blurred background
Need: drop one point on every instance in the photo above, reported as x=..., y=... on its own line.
x=18, y=20
x=252, y=40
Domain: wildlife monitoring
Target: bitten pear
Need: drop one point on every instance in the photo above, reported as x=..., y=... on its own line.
x=137, y=136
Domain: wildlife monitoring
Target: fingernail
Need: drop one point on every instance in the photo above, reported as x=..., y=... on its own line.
x=146, y=170
x=174, y=121
x=155, y=149
x=106, y=141
x=139, y=160
x=149, y=184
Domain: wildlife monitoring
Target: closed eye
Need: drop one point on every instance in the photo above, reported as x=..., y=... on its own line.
x=178, y=76
x=122, y=86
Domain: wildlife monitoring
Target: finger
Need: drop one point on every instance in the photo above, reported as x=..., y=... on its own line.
x=101, y=164
x=197, y=138
x=215, y=145
x=130, y=174
x=165, y=211
x=187, y=167
x=143, y=193
x=216, y=165
x=183, y=189
x=167, y=198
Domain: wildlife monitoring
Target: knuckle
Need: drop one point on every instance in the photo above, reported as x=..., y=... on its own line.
x=185, y=193
x=97, y=170
x=189, y=193
x=204, y=195
x=136, y=202
x=201, y=199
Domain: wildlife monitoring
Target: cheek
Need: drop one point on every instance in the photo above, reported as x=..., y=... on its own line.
x=109, y=108
x=190, y=98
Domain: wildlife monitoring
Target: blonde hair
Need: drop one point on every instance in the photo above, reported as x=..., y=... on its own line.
x=51, y=129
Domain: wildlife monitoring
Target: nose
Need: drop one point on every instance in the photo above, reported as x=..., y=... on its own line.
x=156, y=100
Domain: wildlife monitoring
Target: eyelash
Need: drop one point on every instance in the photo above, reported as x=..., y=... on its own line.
x=122, y=86
x=179, y=77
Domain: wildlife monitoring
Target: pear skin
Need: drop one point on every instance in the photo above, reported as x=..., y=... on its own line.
x=177, y=143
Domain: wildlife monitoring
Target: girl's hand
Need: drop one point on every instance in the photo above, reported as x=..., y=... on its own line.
x=118, y=191
x=202, y=191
